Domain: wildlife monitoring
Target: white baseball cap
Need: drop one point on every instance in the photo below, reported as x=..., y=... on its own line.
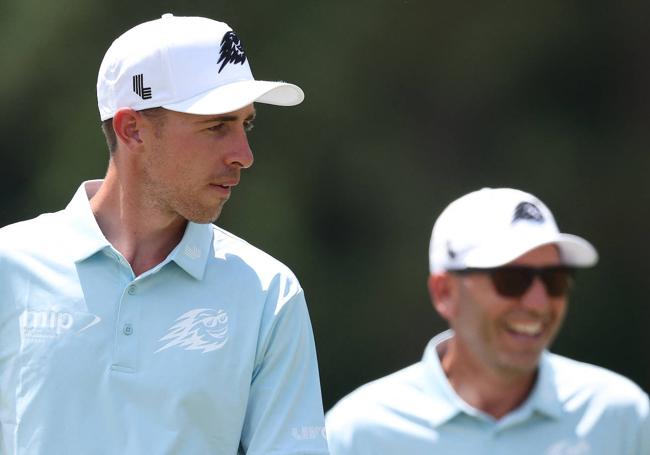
x=493, y=226
x=185, y=64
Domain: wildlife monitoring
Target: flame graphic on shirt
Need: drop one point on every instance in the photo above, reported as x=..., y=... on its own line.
x=203, y=329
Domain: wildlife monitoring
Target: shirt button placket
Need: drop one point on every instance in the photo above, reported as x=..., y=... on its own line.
x=126, y=343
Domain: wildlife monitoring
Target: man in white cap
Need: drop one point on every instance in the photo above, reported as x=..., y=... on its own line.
x=500, y=274
x=129, y=323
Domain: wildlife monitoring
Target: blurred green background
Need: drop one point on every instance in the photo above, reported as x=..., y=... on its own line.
x=409, y=105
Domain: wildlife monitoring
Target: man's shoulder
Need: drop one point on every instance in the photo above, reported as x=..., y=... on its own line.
x=28, y=233
x=385, y=415
x=237, y=250
x=577, y=380
x=370, y=403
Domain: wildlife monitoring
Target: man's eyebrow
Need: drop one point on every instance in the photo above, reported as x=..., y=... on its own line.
x=227, y=118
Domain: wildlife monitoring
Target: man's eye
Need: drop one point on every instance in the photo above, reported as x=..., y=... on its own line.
x=248, y=126
x=216, y=127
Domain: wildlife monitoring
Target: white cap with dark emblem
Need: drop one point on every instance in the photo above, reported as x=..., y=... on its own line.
x=186, y=64
x=493, y=226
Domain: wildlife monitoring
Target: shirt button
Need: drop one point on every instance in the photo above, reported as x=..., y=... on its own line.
x=127, y=330
x=131, y=290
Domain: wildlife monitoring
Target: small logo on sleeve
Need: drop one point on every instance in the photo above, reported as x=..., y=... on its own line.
x=139, y=88
x=308, y=433
x=204, y=329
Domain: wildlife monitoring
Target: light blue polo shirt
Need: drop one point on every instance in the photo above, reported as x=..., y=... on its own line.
x=574, y=409
x=210, y=352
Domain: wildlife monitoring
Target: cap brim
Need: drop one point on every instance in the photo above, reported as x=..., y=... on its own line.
x=574, y=252
x=236, y=95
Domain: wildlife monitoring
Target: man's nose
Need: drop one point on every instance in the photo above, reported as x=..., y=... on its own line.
x=240, y=153
x=536, y=296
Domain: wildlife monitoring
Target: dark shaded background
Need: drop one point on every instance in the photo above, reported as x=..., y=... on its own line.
x=409, y=105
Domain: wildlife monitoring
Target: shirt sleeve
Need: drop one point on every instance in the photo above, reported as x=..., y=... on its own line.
x=284, y=415
x=339, y=432
x=643, y=436
x=9, y=346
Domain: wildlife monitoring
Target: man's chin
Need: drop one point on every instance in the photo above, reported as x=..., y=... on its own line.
x=205, y=217
x=203, y=220
x=522, y=364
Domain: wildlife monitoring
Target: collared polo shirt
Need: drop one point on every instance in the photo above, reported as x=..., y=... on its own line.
x=210, y=352
x=573, y=409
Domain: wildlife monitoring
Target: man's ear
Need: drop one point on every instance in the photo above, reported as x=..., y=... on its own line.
x=442, y=293
x=126, y=123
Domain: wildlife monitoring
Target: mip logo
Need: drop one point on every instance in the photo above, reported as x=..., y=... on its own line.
x=231, y=50
x=51, y=324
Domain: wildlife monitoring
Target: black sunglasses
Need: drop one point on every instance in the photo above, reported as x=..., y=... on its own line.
x=514, y=280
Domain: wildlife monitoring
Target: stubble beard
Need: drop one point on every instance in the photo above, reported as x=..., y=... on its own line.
x=182, y=203
x=181, y=200
x=204, y=216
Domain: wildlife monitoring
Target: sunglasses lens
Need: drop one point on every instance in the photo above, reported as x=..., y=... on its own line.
x=557, y=281
x=512, y=282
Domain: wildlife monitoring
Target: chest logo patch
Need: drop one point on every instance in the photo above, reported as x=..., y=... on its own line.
x=203, y=329
x=51, y=323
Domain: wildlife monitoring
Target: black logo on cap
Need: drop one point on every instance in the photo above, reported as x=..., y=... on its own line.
x=528, y=211
x=231, y=50
x=140, y=89
x=450, y=252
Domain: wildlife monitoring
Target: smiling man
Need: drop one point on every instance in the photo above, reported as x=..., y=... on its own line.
x=131, y=325
x=500, y=276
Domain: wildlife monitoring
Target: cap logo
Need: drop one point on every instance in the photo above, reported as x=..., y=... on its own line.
x=140, y=89
x=231, y=50
x=528, y=211
x=450, y=252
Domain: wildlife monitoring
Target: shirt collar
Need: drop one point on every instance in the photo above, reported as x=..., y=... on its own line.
x=436, y=385
x=191, y=254
x=543, y=399
x=86, y=237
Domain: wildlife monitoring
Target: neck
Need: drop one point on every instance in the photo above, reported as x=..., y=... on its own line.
x=492, y=391
x=143, y=234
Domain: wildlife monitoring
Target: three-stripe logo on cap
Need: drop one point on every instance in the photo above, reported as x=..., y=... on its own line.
x=139, y=88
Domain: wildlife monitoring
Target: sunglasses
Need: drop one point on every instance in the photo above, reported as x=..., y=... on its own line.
x=515, y=280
